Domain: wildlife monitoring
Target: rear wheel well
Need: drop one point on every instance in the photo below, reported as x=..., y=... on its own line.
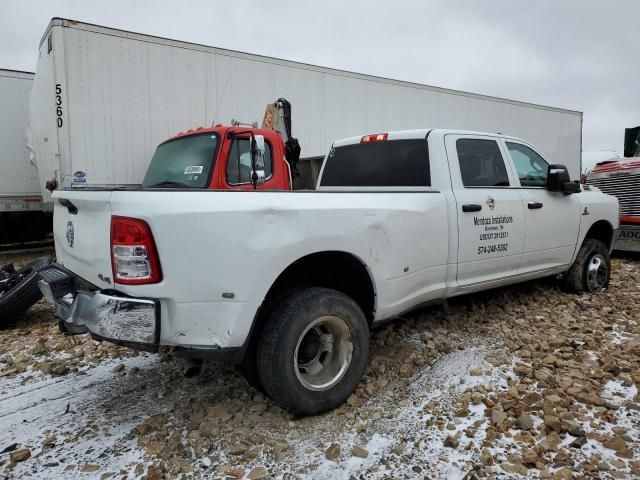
x=336, y=270
x=601, y=230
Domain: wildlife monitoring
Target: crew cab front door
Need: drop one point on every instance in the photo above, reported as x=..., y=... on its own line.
x=552, y=219
x=489, y=210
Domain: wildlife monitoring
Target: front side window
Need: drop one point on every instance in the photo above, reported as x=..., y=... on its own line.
x=239, y=162
x=481, y=164
x=393, y=163
x=184, y=162
x=532, y=168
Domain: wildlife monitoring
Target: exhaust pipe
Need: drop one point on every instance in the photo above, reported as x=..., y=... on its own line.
x=192, y=367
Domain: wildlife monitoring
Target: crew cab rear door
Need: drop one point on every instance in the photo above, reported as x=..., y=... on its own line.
x=489, y=210
x=82, y=233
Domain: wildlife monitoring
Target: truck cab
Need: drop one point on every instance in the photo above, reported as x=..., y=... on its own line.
x=224, y=157
x=218, y=158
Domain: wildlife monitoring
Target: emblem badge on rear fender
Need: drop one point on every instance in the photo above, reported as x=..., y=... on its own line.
x=491, y=203
x=70, y=234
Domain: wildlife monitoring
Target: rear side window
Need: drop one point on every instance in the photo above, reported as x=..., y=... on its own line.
x=393, y=163
x=481, y=163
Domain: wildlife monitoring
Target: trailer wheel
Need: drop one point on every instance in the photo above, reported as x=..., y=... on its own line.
x=591, y=269
x=314, y=351
x=19, y=289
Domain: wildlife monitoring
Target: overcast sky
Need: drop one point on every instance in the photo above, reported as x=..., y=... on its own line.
x=576, y=54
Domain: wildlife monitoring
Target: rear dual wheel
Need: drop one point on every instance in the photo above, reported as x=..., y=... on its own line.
x=314, y=350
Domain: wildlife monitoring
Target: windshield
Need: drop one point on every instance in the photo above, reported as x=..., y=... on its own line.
x=184, y=162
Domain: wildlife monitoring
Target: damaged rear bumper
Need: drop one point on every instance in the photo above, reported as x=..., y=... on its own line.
x=81, y=307
x=119, y=319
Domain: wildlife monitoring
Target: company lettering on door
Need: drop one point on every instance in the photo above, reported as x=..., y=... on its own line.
x=493, y=228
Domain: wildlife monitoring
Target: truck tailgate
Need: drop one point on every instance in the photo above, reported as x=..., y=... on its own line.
x=81, y=230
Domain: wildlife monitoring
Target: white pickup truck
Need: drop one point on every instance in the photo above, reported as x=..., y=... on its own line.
x=289, y=284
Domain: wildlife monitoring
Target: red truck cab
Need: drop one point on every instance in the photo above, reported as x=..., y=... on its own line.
x=218, y=158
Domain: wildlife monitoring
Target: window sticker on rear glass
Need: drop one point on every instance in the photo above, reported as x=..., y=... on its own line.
x=193, y=169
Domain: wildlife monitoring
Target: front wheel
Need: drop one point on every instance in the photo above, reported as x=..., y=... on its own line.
x=591, y=269
x=314, y=351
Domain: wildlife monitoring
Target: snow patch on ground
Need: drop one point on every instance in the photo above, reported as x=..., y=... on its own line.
x=441, y=383
x=89, y=414
x=619, y=337
x=616, y=392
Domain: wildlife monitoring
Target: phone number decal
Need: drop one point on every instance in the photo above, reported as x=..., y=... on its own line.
x=500, y=247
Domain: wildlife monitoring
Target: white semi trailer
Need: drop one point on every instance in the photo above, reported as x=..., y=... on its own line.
x=103, y=99
x=21, y=210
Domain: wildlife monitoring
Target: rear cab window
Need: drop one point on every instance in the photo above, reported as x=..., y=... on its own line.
x=184, y=162
x=481, y=163
x=389, y=163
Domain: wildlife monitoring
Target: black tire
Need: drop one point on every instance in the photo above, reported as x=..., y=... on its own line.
x=16, y=301
x=249, y=365
x=249, y=371
x=580, y=278
x=283, y=340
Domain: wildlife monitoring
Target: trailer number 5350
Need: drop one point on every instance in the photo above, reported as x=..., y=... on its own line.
x=59, y=104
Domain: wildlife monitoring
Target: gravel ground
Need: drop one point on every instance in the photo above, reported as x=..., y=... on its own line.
x=521, y=381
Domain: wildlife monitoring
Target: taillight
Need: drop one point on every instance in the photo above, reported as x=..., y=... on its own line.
x=134, y=257
x=376, y=137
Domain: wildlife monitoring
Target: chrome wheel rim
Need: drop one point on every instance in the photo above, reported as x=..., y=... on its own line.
x=597, y=272
x=323, y=353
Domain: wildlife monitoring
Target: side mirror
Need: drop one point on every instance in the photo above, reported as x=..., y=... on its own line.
x=558, y=180
x=257, y=160
x=572, y=187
